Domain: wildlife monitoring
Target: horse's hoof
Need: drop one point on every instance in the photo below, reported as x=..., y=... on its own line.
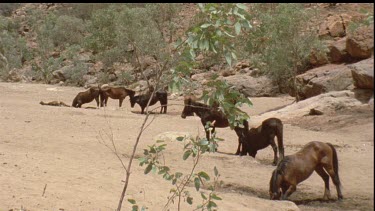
x=340, y=198
x=237, y=153
x=274, y=163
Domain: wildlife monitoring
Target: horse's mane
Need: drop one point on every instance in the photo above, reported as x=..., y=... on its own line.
x=279, y=170
x=282, y=165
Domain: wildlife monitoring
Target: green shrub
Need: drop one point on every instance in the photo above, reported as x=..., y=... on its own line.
x=281, y=44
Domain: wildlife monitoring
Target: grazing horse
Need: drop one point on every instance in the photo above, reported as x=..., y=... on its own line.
x=86, y=97
x=119, y=93
x=207, y=114
x=142, y=100
x=261, y=137
x=293, y=169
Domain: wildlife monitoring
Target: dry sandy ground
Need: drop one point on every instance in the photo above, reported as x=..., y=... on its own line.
x=57, y=148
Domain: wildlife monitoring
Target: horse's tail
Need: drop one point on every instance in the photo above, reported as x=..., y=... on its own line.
x=279, y=135
x=335, y=163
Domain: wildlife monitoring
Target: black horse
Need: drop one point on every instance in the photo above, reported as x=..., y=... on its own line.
x=207, y=114
x=142, y=100
x=261, y=137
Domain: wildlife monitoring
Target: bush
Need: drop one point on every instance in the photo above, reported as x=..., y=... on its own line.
x=281, y=44
x=13, y=49
x=6, y=9
x=67, y=31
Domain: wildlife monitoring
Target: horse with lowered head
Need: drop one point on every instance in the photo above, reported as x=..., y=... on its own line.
x=86, y=97
x=293, y=169
x=142, y=100
x=261, y=137
x=119, y=93
x=207, y=114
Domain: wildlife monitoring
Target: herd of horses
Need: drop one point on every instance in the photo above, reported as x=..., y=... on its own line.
x=290, y=171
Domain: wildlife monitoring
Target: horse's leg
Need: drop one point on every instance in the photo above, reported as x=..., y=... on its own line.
x=274, y=147
x=97, y=101
x=120, y=101
x=289, y=192
x=327, y=194
x=143, y=108
x=239, y=146
x=335, y=179
x=105, y=101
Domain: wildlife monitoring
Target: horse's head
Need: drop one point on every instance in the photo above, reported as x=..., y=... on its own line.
x=188, y=111
x=133, y=100
x=275, y=182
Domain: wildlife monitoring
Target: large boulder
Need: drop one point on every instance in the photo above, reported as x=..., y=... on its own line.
x=337, y=51
x=63, y=73
x=253, y=87
x=363, y=73
x=360, y=44
x=325, y=103
x=323, y=79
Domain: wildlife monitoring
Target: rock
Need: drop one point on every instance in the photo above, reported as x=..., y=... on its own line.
x=323, y=79
x=94, y=69
x=90, y=80
x=14, y=76
x=314, y=112
x=112, y=77
x=363, y=73
x=360, y=44
x=337, y=51
x=318, y=59
x=202, y=76
x=85, y=57
x=335, y=26
x=253, y=87
x=63, y=73
x=326, y=103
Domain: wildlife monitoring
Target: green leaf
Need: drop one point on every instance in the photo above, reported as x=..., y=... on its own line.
x=214, y=196
x=203, y=196
x=189, y=200
x=203, y=142
x=197, y=183
x=237, y=27
x=228, y=57
x=225, y=32
x=186, y=154
x=204, y=175
x=241, y=6
x=205, y=25
x=148, y=168
x=216, y=171
x=132, y=201
x=180, y=138
x=211, y=204
x=234, y=55
x=159, y=141
x=135, y=208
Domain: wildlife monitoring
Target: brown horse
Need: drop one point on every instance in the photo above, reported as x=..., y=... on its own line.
x=207, y=114
x=261, y=137
x=119, y=93
x=293, y=169
x=86, y=97
x=142, y=100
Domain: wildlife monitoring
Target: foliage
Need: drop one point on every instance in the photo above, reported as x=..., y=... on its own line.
x=367, y=21
x=194, y=148
x=67, y=31
x=6, y=9
x=280, y=44
x=164, y=16
x=214, y=33
x=13, y=49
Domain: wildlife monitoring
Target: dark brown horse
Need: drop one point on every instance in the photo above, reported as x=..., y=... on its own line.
x=261, y=137
x=207, y=114
x=86, y=97
x=119, y=93
x=293, y=169
x=142, y=100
